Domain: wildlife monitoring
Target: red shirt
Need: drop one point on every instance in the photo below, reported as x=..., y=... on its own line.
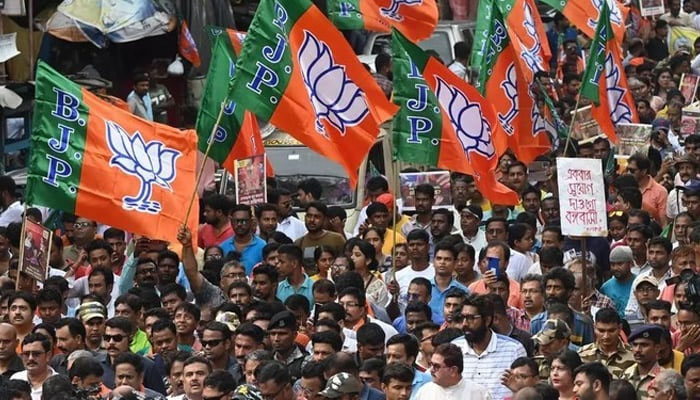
x=209, y=237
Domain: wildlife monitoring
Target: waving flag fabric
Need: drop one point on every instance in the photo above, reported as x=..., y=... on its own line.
x=95, y=160
x=584, y=14
x=604, y=81
x=297, y=71
x=444, y=122
x=188, y=48
x=416, y=19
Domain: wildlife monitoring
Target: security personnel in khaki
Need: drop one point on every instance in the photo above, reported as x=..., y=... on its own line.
x=608, y=347
x=645, y=341
x=553, y=338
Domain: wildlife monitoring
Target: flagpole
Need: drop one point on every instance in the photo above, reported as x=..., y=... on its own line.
x=571, y=126
x=395, y=167
x=204, y=162
x=22, y=235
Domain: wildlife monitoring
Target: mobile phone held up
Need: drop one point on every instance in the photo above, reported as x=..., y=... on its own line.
x=493, y=265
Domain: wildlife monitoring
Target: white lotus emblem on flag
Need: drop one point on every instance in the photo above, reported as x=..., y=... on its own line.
x=473, y=130
x=620, y=112
x=509, y=86
x=152, y=163
x=615, y=13
x=392, y=11
x=334, y=97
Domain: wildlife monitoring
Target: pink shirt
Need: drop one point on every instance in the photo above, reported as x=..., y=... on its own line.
x=209, y=237
x=514, y=300
x=654, y=200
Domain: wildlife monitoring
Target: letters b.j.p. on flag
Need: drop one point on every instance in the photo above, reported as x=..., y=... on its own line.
x=298, y=72
x=416, y=19
x=604, y=81
x=95, y=160
x=444, y=122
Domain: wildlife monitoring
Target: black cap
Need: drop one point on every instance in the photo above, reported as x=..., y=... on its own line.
x=283, y=320
x=651, y=332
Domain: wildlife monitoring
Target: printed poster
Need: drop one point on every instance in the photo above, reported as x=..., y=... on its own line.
x=585, y=128
x=582, y=197
x=690, y=121
x=440, y=181
x=34, y=253
x=634, y=138
x=251, y=177
x=650, y=8
x=688, y=87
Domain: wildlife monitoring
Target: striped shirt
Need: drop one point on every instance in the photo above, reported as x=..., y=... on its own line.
x=487, y=368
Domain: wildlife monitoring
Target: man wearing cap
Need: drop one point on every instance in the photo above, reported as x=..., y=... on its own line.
x=608, y=347
x=93, y=315
x=550, y=340
x=619, y=286
x=645, y=341
x=342, y=386
x=687, y=167
x=645, y=289
x=469, y=219
x=282, y=332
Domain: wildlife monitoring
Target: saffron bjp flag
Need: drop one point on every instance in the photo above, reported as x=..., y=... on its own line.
x=95, y=160
x=416, y=19
x=444, y=122
x=507, y=78
x=188, y=48
x=237, y=134
x=604, y=81
x=584, y=14
x=527, y=34
x=298, y=72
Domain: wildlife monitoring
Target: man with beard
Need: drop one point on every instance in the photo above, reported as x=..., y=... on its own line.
x=93, y=315
x=316, y=236
x=267, y=215
x=550, y=211
x=247, y=339
x=608, y=347
x=217, y=228
x=117, y=239
x=619, y=287
x=440, y=226
x=117, y=337
x=424, y=199
x=146, y=273
x=101, y=282
x=592, y=381
x=36, y=352
x=245, y=241
x=70, y=336
x=168, y=268
x=282, y=331
x=645, y=346
x=140, y=103
x=265, y=283
x=485, y=353
x=559, y=284
x=10, y=362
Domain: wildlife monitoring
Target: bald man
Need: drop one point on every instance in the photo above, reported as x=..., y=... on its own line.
x=10, y=362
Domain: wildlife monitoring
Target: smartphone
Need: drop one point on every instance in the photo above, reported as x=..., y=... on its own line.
x=494, y=265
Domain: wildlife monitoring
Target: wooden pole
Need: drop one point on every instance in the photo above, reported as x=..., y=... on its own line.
x=395, y=168
x=22, y=235
x=204, y=162
x=584, y=272
x=571, y=126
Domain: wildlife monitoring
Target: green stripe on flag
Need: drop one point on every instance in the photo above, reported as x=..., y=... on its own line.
x=345, y=14
x=221, y=71
x=417, y=127
x=595, y=68
x=58, y=141
x=491, y=38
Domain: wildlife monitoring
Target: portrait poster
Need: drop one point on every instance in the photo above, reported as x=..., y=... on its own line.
x=688, y=87
x=251, y=176
x=35, y=250
x=440, y=180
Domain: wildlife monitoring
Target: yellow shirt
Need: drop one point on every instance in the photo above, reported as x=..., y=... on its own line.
x=675, y=364
x=389, y=241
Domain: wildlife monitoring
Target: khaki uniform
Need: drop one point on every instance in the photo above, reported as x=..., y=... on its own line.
x=544, y=366
x=641, y=383
x=616, y=362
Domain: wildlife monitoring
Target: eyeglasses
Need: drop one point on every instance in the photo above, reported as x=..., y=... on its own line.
x=232, y=275
x=646, y=289
x=212, y=343
x=468, y=317
x=115, y=338
x=33, y=354
x=349, y=305
x=83, y=224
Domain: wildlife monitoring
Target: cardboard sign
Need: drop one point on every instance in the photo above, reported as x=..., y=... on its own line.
x=690, y=122
x=582, y=197
x=440, y=180
x=251, y=176
x=34, y=253
x=585, y=128
x=634, y=138
x=688, y=87
x=650, y=8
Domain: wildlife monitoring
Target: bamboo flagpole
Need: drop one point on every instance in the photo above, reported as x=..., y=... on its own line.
x=21, y=246
x=571, y=126
x=204, y=161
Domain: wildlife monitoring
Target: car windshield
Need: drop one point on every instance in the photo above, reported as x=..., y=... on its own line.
x=295, y=164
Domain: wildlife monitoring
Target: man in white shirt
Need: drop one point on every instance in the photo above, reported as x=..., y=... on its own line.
x=11, y=206
x=469, y=219
x=36, y=353
x=486, y=354
x=418, y=252
x=289, y=225
x=459, y=65
x=446, y=368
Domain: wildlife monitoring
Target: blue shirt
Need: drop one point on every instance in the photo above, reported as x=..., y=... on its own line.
x=619, y=292
x=420, y=379
x=582, y=331
x=285, y=289
x=437, y=299
x=251, y=254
